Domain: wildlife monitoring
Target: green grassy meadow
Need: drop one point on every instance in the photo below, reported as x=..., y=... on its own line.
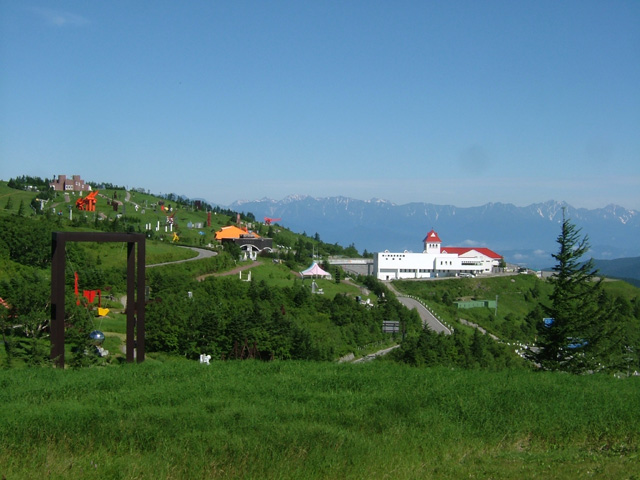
x=174, y=419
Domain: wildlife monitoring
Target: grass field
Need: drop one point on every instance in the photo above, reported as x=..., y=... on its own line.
x=279, y=275
x=293, y=420
x=516, y=296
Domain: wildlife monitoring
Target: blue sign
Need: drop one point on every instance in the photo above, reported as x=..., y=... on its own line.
x=577, y=343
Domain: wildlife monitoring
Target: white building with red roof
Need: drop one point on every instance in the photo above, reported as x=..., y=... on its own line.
x=435, y=261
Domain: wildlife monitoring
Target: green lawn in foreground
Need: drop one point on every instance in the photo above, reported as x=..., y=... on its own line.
x=297, y=420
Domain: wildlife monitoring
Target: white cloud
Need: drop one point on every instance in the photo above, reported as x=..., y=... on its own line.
x=60, y=19
x=473, y=243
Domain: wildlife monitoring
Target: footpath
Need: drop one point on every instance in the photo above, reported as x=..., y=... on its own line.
x=234, y=271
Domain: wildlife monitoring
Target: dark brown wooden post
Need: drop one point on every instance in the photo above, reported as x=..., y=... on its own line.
x=131, y=301
x=58, y=261
x=140, y=301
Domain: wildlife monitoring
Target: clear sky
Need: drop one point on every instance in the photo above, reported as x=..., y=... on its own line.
x=446, y=102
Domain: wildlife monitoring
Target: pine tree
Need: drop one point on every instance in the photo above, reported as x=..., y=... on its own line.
x=579, y=331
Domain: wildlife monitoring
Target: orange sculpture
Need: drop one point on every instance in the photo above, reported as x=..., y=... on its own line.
x=88, y=203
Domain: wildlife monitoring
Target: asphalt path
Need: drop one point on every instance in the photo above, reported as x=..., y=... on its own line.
x=373, y=356
x=240, y=268
x=202, y=253
x=427, y=317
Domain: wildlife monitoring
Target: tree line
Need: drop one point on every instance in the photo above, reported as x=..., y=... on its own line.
x=222, y=316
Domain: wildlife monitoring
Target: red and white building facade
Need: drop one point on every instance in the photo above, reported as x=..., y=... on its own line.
x=435, y=261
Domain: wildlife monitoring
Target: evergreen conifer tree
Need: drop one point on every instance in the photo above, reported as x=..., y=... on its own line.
x=578, y=331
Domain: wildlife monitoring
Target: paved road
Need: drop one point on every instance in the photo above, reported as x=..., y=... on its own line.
x=202, y=253
x=427, y=317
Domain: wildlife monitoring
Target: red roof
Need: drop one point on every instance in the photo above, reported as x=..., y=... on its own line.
x=432, y=236
x=462, y=250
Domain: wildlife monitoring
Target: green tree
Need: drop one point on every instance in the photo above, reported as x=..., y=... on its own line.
x=479, y=348
x=580, y=331
x=233, y=249
x=27, y=243
x=351, y=251
x=8, y=340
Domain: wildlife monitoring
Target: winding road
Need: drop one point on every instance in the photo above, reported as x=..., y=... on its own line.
x=427, y=317
x=202, y=253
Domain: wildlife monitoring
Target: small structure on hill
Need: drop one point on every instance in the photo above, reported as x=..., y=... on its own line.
x=88, y=203
x=315, y=271
x=244, y=238
x=73, y=184
x=476, y=304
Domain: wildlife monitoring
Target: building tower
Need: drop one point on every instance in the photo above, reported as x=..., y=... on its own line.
x=432, y=243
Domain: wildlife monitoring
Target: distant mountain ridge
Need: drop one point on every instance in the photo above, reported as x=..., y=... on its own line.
x=623, y=268
x=524, y=235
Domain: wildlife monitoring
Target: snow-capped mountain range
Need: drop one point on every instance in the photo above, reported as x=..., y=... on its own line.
x=523, y=235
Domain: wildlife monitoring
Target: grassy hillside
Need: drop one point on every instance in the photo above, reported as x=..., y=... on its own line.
x=25, y=257
x=11, y=198
x=516, y=297
x=136, y=211
x=293, y=420
x=518, y=301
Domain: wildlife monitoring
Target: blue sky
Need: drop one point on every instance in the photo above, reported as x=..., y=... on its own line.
x=460, y=102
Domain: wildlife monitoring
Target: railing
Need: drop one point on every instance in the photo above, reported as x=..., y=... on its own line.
x=349, y=261
x=434, y=314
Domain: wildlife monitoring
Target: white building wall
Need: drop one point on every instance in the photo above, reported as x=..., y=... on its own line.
x=408, y=265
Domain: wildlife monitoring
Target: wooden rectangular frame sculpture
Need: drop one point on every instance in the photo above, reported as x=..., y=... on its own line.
x=135, y=289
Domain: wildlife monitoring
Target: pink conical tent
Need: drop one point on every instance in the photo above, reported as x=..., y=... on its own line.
x=314, y=271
